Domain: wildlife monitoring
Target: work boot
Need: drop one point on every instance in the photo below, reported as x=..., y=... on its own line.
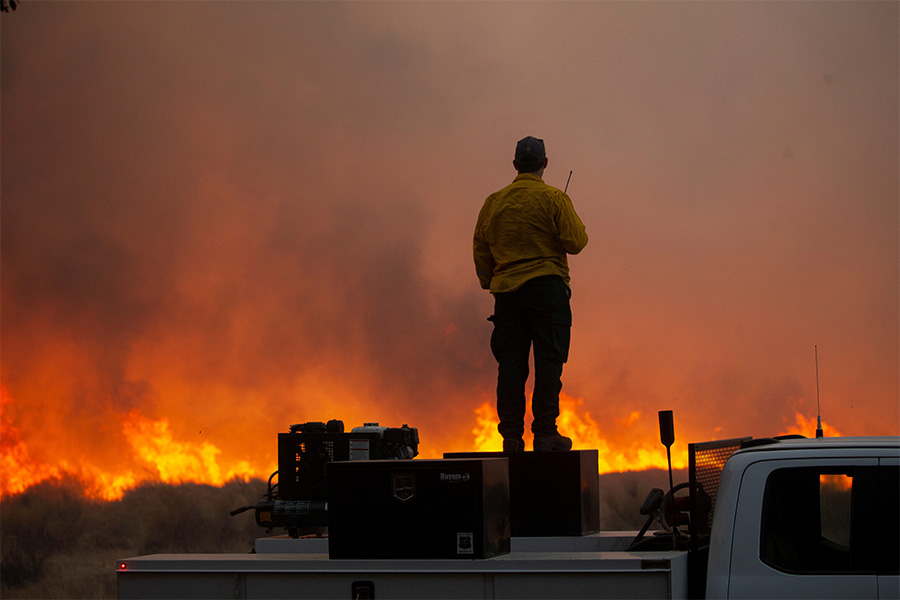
x=552, y=443
x=513, y=445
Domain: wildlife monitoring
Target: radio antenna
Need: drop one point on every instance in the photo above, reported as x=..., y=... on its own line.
x=819, y=432
x=567, y=182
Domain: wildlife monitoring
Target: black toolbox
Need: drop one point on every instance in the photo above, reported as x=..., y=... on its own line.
x=452, y=508
x=551, y=493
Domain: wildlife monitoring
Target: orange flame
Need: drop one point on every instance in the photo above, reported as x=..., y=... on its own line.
x=155, y=452
x=578, y=424
x=19, y=471
x=838, y=482
x=152, y=445
x=807, y=427
x=178, y=462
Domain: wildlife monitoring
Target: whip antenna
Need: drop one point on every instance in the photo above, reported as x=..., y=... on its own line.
x=819, y=432
x=567, y=182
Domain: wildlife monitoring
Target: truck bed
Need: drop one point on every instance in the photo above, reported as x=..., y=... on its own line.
x=573, y=567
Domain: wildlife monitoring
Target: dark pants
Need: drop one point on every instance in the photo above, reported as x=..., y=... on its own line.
x=536, y=315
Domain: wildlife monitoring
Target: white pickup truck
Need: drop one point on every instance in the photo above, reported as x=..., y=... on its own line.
x=788, y=518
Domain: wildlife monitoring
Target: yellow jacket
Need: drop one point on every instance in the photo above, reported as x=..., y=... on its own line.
x=525, y=231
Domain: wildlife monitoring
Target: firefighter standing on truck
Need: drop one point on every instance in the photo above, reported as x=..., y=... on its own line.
x=522, y=237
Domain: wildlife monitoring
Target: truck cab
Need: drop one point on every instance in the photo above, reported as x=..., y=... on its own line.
x=808, y=518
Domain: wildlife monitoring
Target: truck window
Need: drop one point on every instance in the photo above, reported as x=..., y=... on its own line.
x=820, y=520
x=834, y=506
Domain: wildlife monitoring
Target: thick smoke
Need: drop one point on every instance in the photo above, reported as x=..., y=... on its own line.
x=244, y=215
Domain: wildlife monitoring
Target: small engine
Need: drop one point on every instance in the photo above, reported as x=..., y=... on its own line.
x=298, y=501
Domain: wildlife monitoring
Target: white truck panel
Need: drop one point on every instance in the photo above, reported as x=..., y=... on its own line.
x=750, y=577
x=719, y=561
x=889, y=585
x=515, y=575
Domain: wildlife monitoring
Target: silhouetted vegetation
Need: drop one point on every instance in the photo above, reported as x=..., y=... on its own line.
x=622, y=494
x=55, y=543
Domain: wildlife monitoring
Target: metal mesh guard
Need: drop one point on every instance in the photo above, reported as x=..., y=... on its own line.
x=705, y=463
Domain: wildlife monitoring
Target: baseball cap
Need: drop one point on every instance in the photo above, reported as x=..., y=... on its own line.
x=530, y=152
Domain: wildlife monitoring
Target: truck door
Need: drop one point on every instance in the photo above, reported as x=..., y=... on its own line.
x=888, y=553
x=793, y=536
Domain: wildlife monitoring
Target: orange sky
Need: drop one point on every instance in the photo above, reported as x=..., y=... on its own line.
x=236, y=216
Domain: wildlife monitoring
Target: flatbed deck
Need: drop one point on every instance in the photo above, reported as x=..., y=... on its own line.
x=536, y=568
